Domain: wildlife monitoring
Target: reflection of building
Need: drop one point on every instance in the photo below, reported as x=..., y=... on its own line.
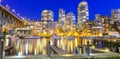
x=83, y=14
x=47, y=15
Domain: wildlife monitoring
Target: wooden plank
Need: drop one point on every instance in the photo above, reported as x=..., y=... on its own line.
x=59, y=50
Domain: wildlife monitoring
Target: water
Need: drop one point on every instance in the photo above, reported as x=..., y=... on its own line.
x=38, y=46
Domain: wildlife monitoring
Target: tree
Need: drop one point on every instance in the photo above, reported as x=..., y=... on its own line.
x=114, y=25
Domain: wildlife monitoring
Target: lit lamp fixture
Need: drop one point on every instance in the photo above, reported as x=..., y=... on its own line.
x=13, y=10
x=45, y=34
x=18, y=14
x=75, y=34
x=69, y=33
x=4, y=30
x=61, y=34
x=7, y=7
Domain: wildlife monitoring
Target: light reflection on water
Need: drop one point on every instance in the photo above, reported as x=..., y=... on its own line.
x=32, y=46
x=38, y=46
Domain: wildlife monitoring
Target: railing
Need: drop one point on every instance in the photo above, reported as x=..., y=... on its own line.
x=69, y=56
x=3, y=8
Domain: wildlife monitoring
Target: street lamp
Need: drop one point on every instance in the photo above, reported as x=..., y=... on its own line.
x=13, y=10
x=2, y=39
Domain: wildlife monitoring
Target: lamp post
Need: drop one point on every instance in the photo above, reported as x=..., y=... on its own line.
x=1, y=47
x=2, y=38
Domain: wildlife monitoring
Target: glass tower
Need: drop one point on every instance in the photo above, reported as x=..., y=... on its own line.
x=116, y=14
x=71, y=18
x=47, y=15
x=83, y=13
x=62, y=16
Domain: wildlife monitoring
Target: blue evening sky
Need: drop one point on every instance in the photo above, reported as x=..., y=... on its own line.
x=33, y=8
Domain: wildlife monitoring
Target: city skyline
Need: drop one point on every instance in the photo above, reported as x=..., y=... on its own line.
x=68, y=35
x=33, y=9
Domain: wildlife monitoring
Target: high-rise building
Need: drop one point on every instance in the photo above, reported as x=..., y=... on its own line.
x=98, y=20
x=118, y=24
x=47, y=18
x=97, y=17
x=70, y=17
x=116, y=14
x=107, y=27
x=83, y=13
x=47, y=15
x=70, y=21
x=61, y=16
x=115, y=20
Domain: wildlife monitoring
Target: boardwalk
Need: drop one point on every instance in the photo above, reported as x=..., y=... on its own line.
x=59, y=50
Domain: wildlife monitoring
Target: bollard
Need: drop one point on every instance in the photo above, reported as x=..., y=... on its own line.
x=76, y=50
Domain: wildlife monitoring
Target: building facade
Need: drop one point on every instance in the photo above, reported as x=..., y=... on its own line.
x=83, y=13
x=47, y=15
